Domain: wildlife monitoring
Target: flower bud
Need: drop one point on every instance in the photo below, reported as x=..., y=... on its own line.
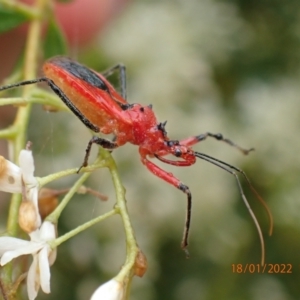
x=140, y=265
x=29, y=218
x=48, y=201
x=111, y=290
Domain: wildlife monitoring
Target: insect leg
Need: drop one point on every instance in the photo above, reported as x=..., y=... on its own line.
x=10, y=86
x=60, y=94
x=94, y=140
x=100, y=141
x=122, y=77
x=168, y=177
x=218, y=136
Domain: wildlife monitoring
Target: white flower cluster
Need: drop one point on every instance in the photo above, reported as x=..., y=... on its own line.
x=15, y=179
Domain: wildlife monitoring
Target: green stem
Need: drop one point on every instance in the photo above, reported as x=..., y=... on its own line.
x=21, y=121
x=132, y=249
x=21, y=124
x=81, y=228
x=36, y=97
x=53, y=217
x=8, y=133
x=47, y=179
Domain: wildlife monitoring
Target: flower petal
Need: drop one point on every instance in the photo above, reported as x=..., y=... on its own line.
x=111, y=290
x=52, y=256
x=33, y=281
x=10, y=177
x=20, y=248
x=10, y=243
x=26, y=163
x=44, y=269
x=31, y=184
x=47, y=231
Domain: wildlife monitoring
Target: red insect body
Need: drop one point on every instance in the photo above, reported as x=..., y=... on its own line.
x=101, y=108
x=137, y=125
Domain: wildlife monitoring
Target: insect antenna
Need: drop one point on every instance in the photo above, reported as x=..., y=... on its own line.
x=230, y=169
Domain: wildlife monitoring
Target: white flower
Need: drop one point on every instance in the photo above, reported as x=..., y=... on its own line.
x=10, y=177
x=14, y=179
x=27, y=169
x=43, y=256
x=111, y=290
x=29, y=216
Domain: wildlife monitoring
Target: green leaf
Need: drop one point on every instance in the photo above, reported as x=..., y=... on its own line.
x=10, y=19
x=55, y=42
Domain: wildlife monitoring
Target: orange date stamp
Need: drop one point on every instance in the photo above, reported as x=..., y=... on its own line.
x=259, y=269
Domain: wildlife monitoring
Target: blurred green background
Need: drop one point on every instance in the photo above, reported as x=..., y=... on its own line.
x=205, y=65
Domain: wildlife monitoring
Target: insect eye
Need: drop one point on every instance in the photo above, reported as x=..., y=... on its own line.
x=172, y=143
x=177, y=152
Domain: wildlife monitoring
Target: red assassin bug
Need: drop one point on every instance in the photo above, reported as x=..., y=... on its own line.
x=101, y=108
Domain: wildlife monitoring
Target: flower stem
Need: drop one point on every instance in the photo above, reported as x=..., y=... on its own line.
x=132, y=249
x=81, y=228
x=20, y=126
x=21, y=121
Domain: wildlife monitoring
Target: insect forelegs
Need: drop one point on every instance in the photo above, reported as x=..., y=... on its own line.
x=170, y=178
x=218, y=136
x=184, y=242
x=26, y=82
